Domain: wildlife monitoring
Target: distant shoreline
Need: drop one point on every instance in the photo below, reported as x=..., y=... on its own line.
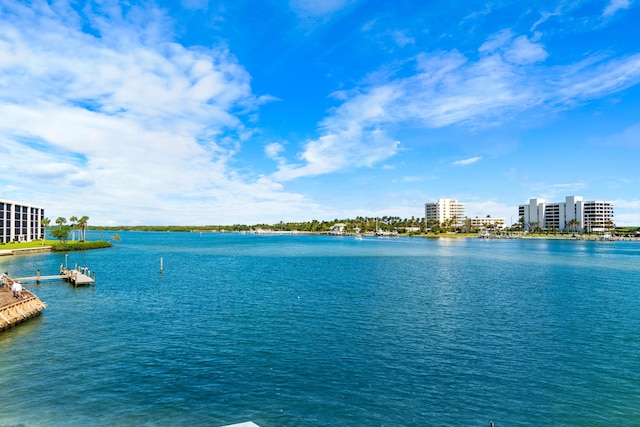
x=270, y=232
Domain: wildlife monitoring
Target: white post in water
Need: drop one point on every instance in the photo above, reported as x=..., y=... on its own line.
x=161, y=264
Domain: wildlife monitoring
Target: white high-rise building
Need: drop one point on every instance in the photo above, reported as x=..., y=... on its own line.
x=445, y=209
x=20, y=222
x=572, y=214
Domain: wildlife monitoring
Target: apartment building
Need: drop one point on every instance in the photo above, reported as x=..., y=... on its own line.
x=444, y=210
x=20, y=222
x=573, y=214
x=481, y=223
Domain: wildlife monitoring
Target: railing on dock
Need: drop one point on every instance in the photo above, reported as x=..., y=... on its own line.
x=79, y=276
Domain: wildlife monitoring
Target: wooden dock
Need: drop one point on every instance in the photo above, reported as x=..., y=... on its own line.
x=77, y=277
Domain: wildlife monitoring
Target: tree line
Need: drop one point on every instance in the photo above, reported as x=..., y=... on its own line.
x=61, y=232
x=352, y=225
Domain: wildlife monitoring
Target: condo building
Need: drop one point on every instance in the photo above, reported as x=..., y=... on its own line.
x=573, y=214
x=488, y=222
x=20, y=222
x=444, y=210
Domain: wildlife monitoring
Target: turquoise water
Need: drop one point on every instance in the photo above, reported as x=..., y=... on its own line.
x=329, y=331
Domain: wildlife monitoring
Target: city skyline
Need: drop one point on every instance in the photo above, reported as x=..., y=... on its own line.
x=211, y=112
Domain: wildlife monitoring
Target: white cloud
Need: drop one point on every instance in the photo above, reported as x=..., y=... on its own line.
x=544, y=16
x=136, y=127
x=626, y=212
x=627, y=204
x=592, y=78
x=466, y=162
x=273, y=150
x=338, y=149
x=449, y=88
x=519, y=50
x=629, y=219
x=614, y=6
x=523, y=51
x=496, y=42
x=401, y=38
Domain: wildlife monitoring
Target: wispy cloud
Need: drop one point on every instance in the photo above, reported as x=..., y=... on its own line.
x=592, y=78
x=627, y=204
x=556, y=192
x=318, y=8
x=274, y=150
x=401, y=38
x=508, y=76
x=628, y=138
x=195, y=4
x=627, y=212
x=409, y=179
x=338, y=149
x=466, y=162
x=614, y=6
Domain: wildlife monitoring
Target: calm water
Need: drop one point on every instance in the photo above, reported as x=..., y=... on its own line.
x=329, y=331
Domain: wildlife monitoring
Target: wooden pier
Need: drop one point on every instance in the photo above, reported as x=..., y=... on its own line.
x=77, y=277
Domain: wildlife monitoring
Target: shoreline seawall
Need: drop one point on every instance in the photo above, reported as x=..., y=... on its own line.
x=25, y=251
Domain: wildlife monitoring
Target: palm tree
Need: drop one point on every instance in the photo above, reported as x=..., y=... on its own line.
x=82, y=222
x=73, y=220
x=452, y=223
x=573, y=224
x=467, y=225
x=62, y=232
x=44, y=222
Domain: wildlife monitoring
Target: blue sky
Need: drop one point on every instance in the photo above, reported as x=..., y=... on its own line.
x=221, y=112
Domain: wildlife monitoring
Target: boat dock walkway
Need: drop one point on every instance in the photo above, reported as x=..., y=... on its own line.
x=77, y=277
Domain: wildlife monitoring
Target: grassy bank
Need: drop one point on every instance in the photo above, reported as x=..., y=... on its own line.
x=57, y=246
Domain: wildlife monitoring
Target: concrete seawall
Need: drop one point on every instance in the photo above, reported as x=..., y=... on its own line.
x=25, y=251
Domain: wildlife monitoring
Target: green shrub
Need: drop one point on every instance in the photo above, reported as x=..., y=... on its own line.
x=80, y=246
